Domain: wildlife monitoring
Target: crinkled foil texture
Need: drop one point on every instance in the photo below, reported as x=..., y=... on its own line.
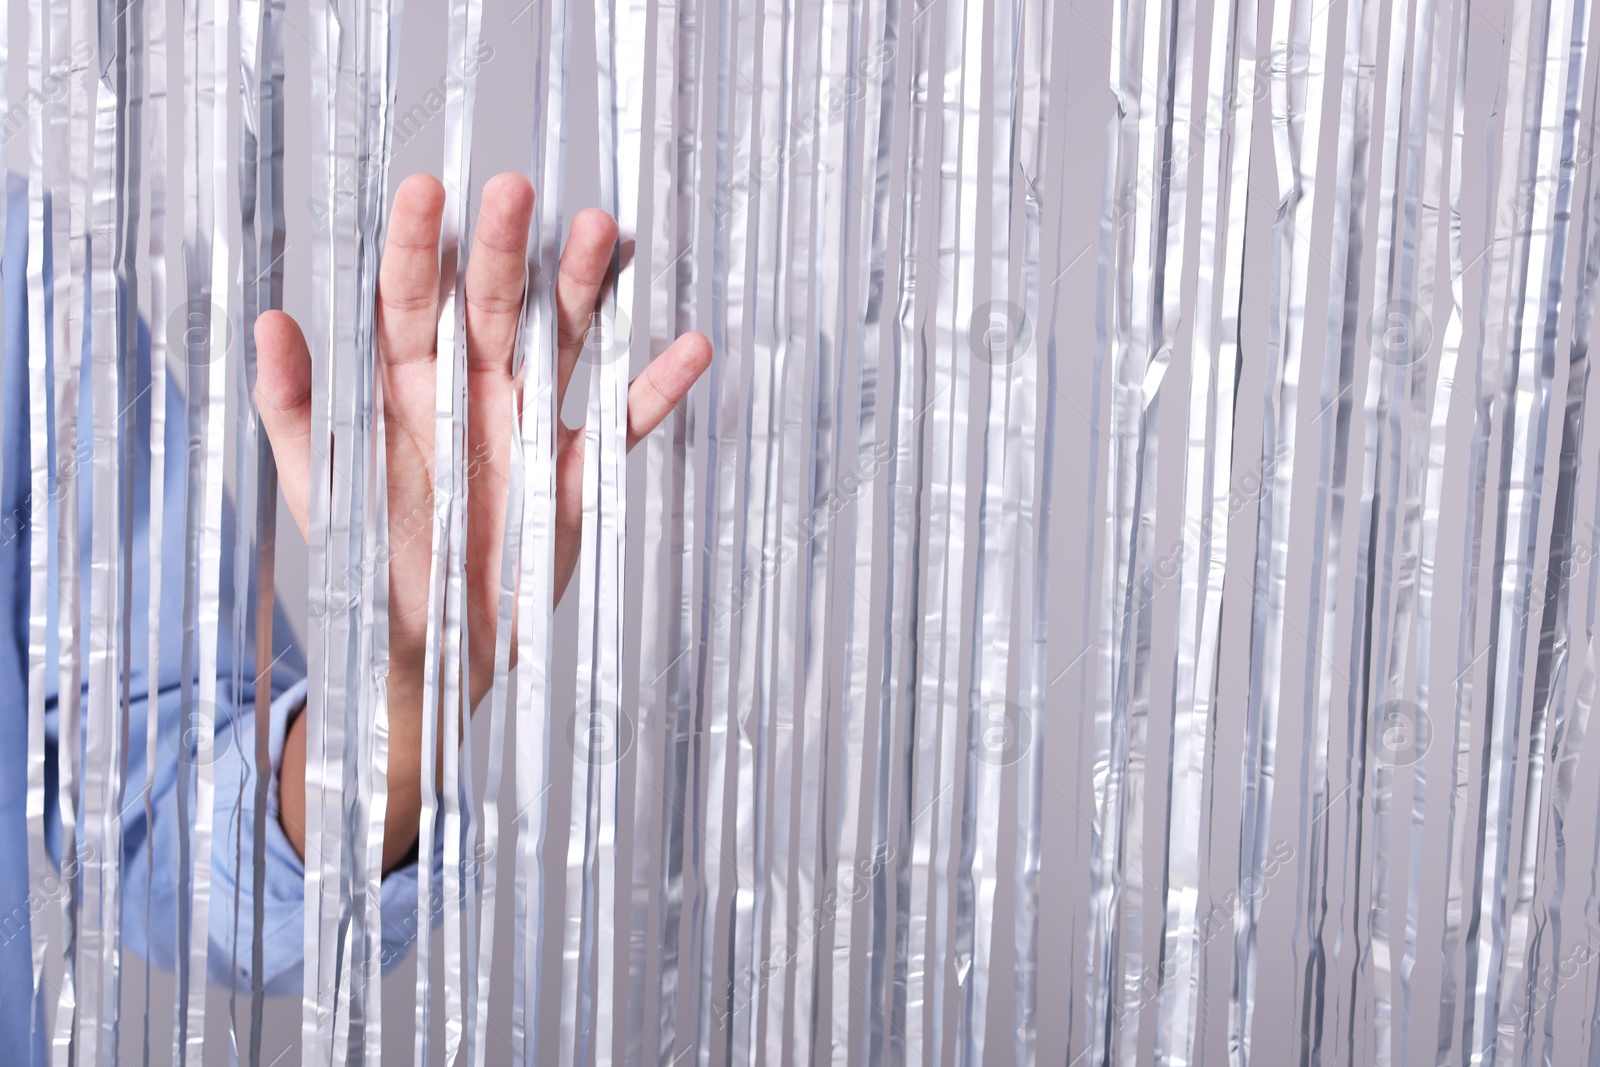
x=1123, y=592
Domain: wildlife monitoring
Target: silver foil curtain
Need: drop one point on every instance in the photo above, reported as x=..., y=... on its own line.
x=1124, y=591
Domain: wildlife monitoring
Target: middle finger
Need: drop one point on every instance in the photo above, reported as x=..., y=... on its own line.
x=497, y=271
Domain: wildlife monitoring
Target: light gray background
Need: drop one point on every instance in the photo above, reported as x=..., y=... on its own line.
x=1072, y=185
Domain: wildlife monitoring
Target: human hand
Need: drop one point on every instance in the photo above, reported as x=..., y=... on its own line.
x=406, y=333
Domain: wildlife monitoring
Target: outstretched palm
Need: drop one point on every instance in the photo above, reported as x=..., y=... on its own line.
x=407, y=329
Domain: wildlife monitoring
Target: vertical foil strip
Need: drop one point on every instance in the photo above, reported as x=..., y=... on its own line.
x=767, y=196
x=248, y=471
x=942, y=617
x=781, y=576
x=825, y=21
x=843, y=640
x=964, y=106
x=1136, y=178
x=1100, y=612
x=68, y=181
x=212, y=242
x=786, y=592
x=990, y=715
x=685, y=429
x=1162, y=188
x=764, y=194
x=1297, y=105
x=349, y=676
x=1539, y=982
x=156, y=263
x=487, y=851
x=442, y=678
x=323, y=80
x=101, y=753
x=535, y=645
x=5, y=91
x=127, y=29
x=1558, y=625
x=348, y=449
x=1427, y=454
x=369, y=571
x=265, y=277
x=207, y=258
x=1448, y=62
x=346, y=731
x=1090, y=618
x=880, y=115
x=1523, y=408
x=1227, y=132
x=341, y=390
x=1549, y=221
x=1334, y=405
x=252, y=14
x=620, y=52
x=901, y=674
x=1025, y=738
x=835, y=208
x=1503, y=172
x=923, y=967
x=659, y=573
x=730, y=336
x=41, y=436
x=761, y=978
x=885, y=94
x=488, y=843
x=1376, y=656
x=578, y=925
x=1034, y=571
x=1147, y=188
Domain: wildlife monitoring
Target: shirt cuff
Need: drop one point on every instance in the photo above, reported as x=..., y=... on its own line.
x=283, y=910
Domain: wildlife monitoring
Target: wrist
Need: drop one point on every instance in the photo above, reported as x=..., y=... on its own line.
x=404, y=690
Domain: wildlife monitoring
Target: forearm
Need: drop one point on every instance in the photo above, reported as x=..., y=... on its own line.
x=402, y=818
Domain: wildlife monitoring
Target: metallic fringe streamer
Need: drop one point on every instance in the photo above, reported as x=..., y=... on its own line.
x=70, y=172
x=729, y=337
x=1038, y=19
x=1229, y=113
x=901, y=651
x=538, y=343
x=814, y=666
x=990, y=715
x=680, y=623
x=346, y=719
x=1349, y=231
x=1426, y=507
x=444, y=678
x=661, y=574
x=41, y=333
x=1550, y=681
x=1548, y=213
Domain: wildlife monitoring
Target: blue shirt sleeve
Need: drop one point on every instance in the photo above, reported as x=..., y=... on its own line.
x=149, y=841
x=232, y=884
